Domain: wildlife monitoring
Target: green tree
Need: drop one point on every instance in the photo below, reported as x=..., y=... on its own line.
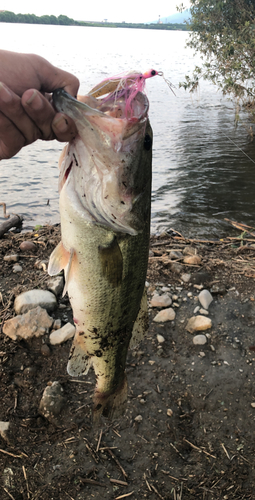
x=223, y=31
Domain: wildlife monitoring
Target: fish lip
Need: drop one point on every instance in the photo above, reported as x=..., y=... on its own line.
x=60, y=97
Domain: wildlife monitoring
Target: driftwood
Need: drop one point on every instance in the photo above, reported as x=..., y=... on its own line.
x=15, y=221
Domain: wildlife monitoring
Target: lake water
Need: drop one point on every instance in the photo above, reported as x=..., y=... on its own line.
x=200, y=176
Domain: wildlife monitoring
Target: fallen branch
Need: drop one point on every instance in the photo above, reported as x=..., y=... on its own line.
x=15, y=221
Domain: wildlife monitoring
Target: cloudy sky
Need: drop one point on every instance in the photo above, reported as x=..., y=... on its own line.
x=112, y=10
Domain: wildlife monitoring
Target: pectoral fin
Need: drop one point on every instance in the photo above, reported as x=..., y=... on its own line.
x=141, y=322
x=61, y=259
x=58, y=260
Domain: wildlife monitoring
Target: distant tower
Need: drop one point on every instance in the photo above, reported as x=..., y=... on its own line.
x=159, y=20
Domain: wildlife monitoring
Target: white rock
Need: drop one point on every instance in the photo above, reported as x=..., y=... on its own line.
x=33, y=298
x=205, y=298
x=165, y=289
x=139, y=418
x=169, y=412
x=56, y=285
x=198, y=323
x=11, y=258
x=4, y=427
x=32, y=324
x=203, y=311
x=57, y=324
x=165, y=315
x=186, y=277
x=63, y=334
x=199, y=340
x=17, y=268
x=253, y=405
x=160, y=339
x=161, y=301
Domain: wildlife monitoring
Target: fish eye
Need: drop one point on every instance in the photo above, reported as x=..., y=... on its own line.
x=147, y=142
x=153, y=72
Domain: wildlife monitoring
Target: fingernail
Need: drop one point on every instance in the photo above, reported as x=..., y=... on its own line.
x=35, y=101
x=61, y=125
x=5, y=94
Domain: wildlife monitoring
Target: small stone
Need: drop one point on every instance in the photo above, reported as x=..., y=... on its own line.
x=11, y=258
x=17, y=268
x=176, y=268
x=27, y=246
x=203, y=311
x=160, y=352
x=169, y=412
x=56, y=285
x=198, y=323
x=193, y=260
x=33, y=298
x=139, y=418
x=165, y=315
x=202, y=354
x=199, y=340
x=32, y=324
x=52, y=401
x=196, y=310
x=205, y=298
x=190, y=295
x=4, y=427
x=151, y=253
x=253, y=405
x=45, y=350
x=164, y=289
x=151, y=362
x=186, y=277
x=189, y=251
x=57, y=324
x=63, y=334
x=175, y=254
x=160, y=339
x=175, y=297
x=142, y=401
x=161, y=301
x=218, y=289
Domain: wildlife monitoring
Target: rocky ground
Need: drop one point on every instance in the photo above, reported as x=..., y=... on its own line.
x=188, y=432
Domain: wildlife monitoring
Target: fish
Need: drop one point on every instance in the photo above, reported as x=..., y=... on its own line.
x=105, y=198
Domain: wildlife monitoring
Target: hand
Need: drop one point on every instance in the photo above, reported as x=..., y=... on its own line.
x=26, y=113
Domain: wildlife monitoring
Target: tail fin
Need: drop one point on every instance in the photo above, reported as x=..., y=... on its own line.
x=111, y=405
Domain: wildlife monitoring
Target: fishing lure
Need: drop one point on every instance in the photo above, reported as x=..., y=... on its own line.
x=127, y=86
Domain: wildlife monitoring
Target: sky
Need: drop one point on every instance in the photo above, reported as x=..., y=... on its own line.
x=112, y=10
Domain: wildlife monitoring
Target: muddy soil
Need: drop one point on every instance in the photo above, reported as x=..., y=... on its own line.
x=194, y=435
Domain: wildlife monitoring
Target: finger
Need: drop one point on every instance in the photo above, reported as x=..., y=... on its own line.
x=64, y=128
x=11, y=139
x=40, y=111
x=52, y=125
x=11, y=108
x=52, y=78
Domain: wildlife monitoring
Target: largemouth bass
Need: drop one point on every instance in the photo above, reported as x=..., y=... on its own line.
x=105, y=192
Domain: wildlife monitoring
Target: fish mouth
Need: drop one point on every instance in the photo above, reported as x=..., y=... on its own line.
x=110, y=185
x=113, y=106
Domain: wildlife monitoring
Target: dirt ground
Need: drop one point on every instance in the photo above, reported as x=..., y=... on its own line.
x=194, y=436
